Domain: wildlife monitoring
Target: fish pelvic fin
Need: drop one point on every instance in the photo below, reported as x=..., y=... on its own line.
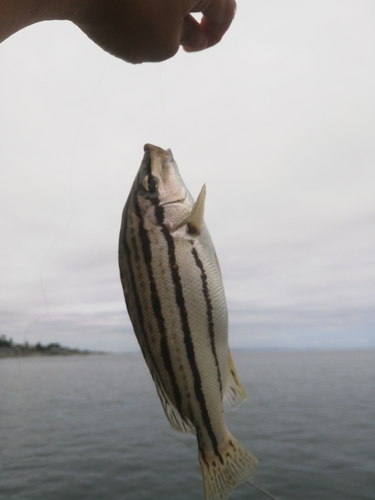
x=220, y=477
x=197, y=212
x=234, y=393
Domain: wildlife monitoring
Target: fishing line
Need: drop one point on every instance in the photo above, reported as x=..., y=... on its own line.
x=162, y=106
x=265, y=492
x=70, y=191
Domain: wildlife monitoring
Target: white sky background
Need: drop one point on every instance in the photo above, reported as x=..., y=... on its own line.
x=278, y=120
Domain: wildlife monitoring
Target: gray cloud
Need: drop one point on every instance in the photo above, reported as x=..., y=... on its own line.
x=278, y=120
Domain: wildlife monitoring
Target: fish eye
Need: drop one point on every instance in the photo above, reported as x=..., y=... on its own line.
x=150, y=183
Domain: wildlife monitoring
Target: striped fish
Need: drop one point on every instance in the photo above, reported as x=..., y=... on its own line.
x=175, y=299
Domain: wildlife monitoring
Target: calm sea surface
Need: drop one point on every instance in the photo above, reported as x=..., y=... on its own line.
x=93, y=428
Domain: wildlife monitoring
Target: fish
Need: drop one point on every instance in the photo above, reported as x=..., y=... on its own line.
x=175, y=298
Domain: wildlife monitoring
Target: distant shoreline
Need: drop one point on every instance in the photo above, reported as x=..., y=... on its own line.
x=8, y=349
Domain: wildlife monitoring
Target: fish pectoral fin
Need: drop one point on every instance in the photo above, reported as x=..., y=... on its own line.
x=175, y=419
x=221, y=474
x=197, y=212
x=234, y=393
x=218, y=265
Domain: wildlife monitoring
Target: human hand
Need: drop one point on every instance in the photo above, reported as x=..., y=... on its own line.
x=152, y=30
x=134, y=30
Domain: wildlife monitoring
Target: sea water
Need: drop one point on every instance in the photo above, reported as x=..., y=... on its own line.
x=92, y=427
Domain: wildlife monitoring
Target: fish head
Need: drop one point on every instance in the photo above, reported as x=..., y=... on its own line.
x=159, y=176
x=158, y=183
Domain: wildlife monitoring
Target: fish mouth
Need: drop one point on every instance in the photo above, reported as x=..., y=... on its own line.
x=174, y=201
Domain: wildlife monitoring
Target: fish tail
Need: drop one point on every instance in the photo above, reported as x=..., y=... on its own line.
x=222, y=474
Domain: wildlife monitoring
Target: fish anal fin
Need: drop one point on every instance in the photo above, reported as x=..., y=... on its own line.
x=234, y=393
x=176, y=421
x=197, y=212
x=221, y=476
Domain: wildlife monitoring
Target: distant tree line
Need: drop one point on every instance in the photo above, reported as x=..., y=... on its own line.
x=4, y=342
x=10, y=348
x=8, y=343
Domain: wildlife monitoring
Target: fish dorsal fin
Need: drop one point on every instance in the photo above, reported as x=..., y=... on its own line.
x=234, y=393
x=196, y=216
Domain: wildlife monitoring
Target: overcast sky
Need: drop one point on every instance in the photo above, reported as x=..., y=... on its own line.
x=278, y=120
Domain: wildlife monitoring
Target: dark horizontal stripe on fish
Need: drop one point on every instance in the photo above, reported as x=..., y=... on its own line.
x=209, y=308
x=159, y=214
x=144, y=343
x=156, y=305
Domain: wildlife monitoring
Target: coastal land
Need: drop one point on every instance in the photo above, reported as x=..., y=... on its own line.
x=9, y=349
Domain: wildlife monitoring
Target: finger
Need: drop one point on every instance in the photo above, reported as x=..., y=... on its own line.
x=193, y=37
x=217, y=17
